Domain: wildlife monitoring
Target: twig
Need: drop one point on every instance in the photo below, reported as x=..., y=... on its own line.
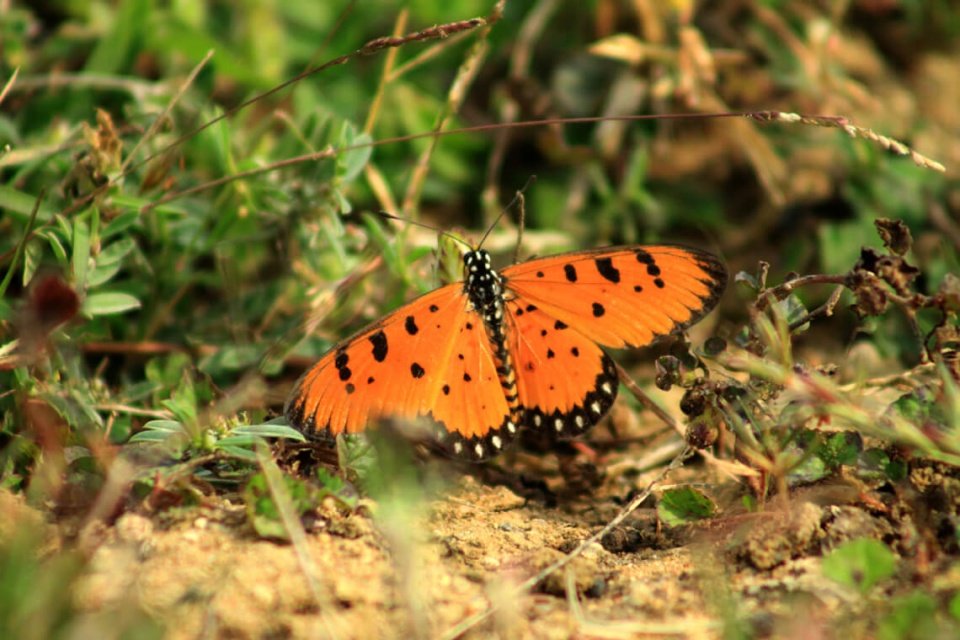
x=145, y=347
x=27, y=234
x=134, y=411
x=9, y=84
x=854, y=131
x=389, y=61
x=371, y=47
x=158, y=121
x=825, y=310
x=646, y=400
x=885, y=381
x=786, y=287
x=458, y=90
x=530, y=30
x=137, y=88
x=298, y=537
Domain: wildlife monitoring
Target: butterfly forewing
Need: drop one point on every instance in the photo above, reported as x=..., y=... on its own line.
x=622, y=296
x=430, y=357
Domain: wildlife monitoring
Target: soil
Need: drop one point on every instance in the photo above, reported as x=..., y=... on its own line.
x=204, y=573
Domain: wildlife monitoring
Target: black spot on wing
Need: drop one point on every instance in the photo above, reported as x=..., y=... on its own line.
x=340, y=362
x=410, y=324
x=379, y=342
x=598, y=310
x=434, y=308
x=607, y=270
x=658, y=282
x=559, y=324
x=416, y=370
x=571, y=272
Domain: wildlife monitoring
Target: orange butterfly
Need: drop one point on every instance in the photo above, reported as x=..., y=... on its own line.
x=501, y=350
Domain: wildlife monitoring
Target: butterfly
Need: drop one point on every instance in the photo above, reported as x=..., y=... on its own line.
x=503, y=350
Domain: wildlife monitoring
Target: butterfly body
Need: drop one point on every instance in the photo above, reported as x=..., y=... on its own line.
x=484, y=288
x=501, y=350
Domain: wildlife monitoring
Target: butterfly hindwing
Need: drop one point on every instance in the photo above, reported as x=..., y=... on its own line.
x=430, y=357
x=565, y=382
x=622, y=296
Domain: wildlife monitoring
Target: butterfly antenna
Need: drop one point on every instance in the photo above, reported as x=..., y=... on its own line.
x=518, y=198
x=521, y=223
x=390, y=216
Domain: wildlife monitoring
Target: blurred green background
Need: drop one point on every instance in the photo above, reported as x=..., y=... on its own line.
x=165, y=276
x=183, y=298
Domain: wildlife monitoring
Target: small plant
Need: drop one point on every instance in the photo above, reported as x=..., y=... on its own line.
x=860, y=564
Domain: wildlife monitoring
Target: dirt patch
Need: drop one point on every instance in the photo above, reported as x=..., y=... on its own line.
x=202, y=572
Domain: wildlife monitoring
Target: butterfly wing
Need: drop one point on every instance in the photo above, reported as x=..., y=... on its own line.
x=565, y=382
x=562, y=306
x=622, y=296
x=430, y=357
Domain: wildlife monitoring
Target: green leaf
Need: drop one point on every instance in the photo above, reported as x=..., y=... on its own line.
x=860, y=564
x=263, y=512
x=684, y=505
x=748, y=279
x=268, y=430
x=32, y=255
x=238, y=441
x=102, y=274
x=792, y=310
x=351, y=163
x=116, y=47
x=913, y=616
x=116, y=251
x=81, y=252
x=183, y=400
x=149, y=436
x=238, y=452
x=840, y=449
x=121, y=223
x=50, y=235
x=954, y=606
x=20, y=205
x=169, y=426
x=109, y=303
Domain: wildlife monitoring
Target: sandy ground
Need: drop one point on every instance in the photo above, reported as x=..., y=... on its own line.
x=203, y=573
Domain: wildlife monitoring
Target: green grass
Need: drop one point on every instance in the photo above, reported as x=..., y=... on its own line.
x=151, y=314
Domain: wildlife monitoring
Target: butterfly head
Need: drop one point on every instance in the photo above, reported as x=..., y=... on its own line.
x=482, y=281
